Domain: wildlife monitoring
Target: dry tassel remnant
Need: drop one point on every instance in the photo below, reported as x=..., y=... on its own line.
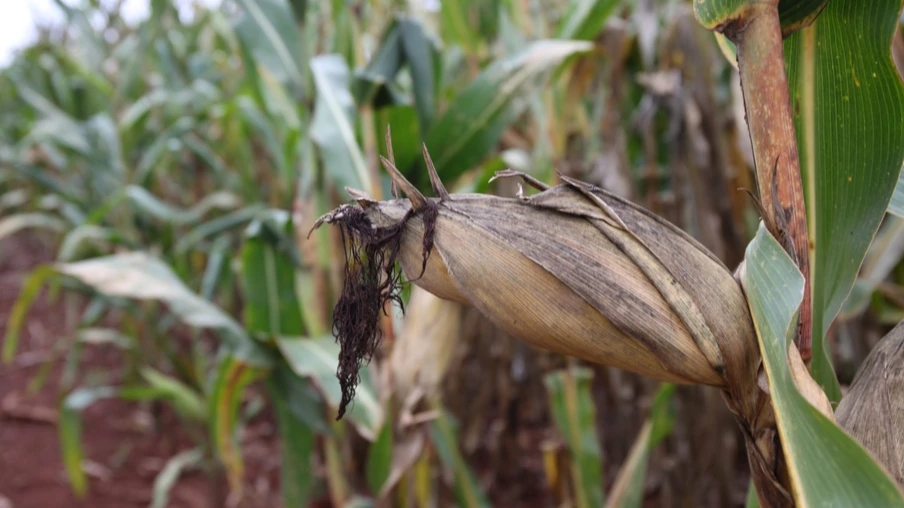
x=572, y=269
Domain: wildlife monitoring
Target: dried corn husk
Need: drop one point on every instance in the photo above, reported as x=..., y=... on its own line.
x=571, y=269
x=422, y=351
x=873, y=409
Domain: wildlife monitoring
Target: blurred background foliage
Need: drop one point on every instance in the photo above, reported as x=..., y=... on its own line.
x=175, y=166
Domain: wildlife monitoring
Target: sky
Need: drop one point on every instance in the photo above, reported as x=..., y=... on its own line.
x=18, y=19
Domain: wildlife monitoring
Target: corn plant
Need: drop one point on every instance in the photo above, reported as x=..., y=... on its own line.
x=180, y=189
x=529, y=264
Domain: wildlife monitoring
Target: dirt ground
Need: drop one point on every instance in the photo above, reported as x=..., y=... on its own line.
x=124, y=451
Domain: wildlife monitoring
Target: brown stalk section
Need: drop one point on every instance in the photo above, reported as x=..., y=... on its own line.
x=758, y=36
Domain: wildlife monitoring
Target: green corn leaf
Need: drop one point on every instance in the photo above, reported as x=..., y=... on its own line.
x=268, y=29
x=826, y=466
x=149, y=204
x=333, y=126
x=629, y=485
x=318, y=360
x=419, y=54
x=848, y=104
x=268, y=272
x=294, y=408
x=459, y=26
x=140, y=276
x=216, y=226
x=232, y=377
x=794, y=14
x=70, y=432
x=574, y=413
x=883, y=256
x=406, y=137
x=444, y=436
x=14, y=223
x=31, y=288
x=379, y=459
x=473, y=123
x=382, y=68
x=166, y=479
x=586, y=18
x=187, y=402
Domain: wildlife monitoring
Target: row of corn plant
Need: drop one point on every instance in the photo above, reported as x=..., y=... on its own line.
x=178, y=186
x=191, y=178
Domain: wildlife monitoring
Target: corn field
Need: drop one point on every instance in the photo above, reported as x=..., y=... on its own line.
x=506, y=242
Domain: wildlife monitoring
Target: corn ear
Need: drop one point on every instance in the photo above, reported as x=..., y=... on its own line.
x=574, y=270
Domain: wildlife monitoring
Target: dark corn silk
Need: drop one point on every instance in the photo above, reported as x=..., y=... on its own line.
x=372, y=280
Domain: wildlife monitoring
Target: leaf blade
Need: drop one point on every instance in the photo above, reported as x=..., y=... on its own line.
x=848, y=102
x=847, y=475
